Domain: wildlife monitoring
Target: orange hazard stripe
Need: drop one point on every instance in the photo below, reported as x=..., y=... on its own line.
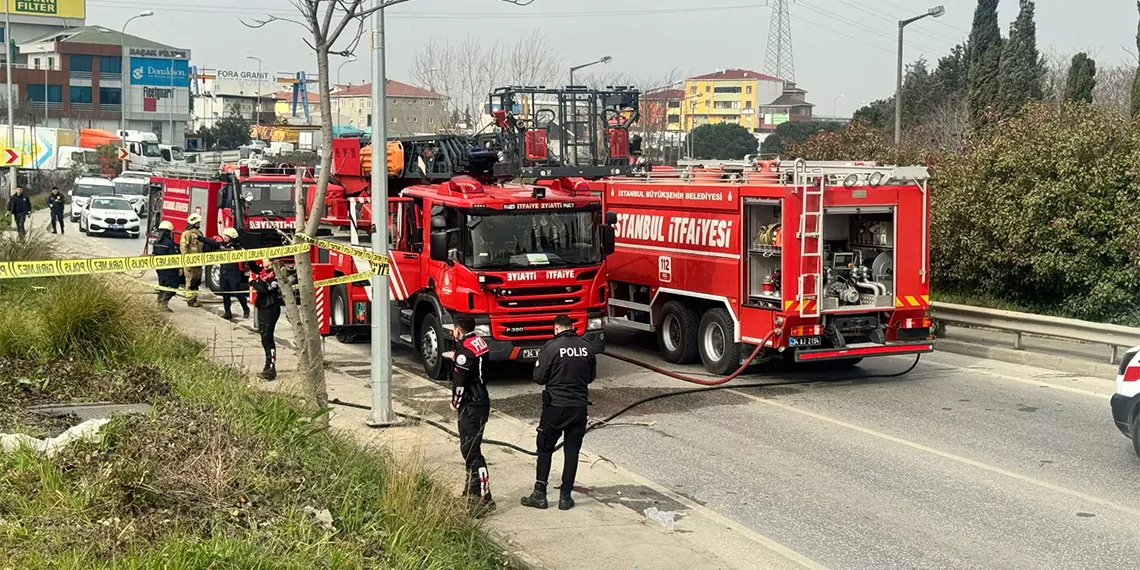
x=922, y=301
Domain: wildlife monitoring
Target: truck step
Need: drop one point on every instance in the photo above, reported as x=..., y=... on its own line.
x=406, y=338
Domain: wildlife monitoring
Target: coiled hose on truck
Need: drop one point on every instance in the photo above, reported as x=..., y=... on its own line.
x=707, y=385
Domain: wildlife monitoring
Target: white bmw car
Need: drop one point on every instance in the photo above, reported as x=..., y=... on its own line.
x=110, y=215
x=1126, y=401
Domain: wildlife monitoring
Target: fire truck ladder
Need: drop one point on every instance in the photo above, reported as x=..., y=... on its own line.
x=809, y=187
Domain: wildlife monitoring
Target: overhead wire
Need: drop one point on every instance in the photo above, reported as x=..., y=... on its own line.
x=868, y=28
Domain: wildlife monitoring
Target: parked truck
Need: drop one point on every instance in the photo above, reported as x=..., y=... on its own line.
x=47, y=149
x=805, y=261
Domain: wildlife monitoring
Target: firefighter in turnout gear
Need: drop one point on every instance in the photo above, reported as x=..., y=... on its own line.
x=566, y=367
x=473, y=404
x=268, y=303
x=191, y=243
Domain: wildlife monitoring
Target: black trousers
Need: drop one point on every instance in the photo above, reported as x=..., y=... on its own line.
x=233, y=283
x=266, y=325
x=167, y=278
x=472, y=421
x=20, y=219
x=556, y=422
x=57, y=218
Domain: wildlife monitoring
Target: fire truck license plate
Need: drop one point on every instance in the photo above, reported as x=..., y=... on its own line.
x=530, y=353
x=804, y=341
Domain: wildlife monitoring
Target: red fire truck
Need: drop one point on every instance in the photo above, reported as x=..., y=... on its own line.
x=257, y=204
x=810, y=261
x=512, y=256
x=463, y=239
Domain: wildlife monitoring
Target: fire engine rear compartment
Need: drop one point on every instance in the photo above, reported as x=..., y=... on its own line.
x=857, y=266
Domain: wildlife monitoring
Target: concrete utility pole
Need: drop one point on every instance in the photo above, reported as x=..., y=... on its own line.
x=11, y=102
x=257, y=106
x=382, y=414
x=935, y=12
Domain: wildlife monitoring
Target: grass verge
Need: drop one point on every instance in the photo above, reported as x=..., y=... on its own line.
x=217, y=476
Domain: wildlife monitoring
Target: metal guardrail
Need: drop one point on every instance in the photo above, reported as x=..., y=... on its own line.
x=1115, y=336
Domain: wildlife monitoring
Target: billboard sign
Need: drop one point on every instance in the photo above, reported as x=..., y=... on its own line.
x=71, y=9
x=160, y=72
x=248, y=83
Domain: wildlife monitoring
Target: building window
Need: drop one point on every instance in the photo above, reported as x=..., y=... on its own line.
x=51, y=63
x=415, y=119
x=370, y=120
x=707, y=88
x=748, y=90
x=35, y=63
x=726, y=104
x=431, y=121
x=111, y=64
x=674, y=104
x=748, y=104
x=36, y=93
x=431, y=102
x=693, y=90
x=110, y=96
x=735, y=89
x=673, y=119
x=80, y=95
x=79, y=62
x=395, y=102
x=395, y=120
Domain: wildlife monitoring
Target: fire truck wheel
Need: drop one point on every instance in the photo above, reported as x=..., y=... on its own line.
x=719, y=351
x=213, y=277
x=431, y=346
x=677, y=335
x=341, y=315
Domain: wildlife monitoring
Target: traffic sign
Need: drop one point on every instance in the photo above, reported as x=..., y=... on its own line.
x=11, y=157
x=122, y=154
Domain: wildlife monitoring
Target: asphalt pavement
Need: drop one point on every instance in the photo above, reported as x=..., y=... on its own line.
x=962, y=463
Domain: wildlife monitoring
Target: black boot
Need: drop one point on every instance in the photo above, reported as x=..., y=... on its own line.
x=480, y=507
x=536, y=498
x=565, y=501
x=269, y=373
x=245, y=312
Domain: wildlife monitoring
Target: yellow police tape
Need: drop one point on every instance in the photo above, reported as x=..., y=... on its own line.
x=98, y=265
x=353, y=278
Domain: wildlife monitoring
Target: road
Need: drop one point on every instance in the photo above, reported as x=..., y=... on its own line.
x=962, y=463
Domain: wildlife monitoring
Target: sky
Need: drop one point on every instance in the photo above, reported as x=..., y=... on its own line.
x=844, y=50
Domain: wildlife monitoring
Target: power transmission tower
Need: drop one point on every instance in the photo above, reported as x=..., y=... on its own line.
x=778, y=61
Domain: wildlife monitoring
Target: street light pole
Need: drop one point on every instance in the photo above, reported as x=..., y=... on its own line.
x=125, y=70
x=834, y=106
x=605, y=59
x=11, y=111
x=935, y=12
x=382, y=414
x=350, y=59
x=257, y=106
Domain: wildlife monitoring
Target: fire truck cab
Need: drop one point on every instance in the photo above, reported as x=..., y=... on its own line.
x=809, y=261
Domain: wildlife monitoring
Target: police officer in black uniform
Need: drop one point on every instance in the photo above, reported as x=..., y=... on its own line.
x=470, y=399
x=268, y=302
x=566, y=366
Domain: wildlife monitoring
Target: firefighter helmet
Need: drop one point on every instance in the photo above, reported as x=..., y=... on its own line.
x=194, y=219
x=166, y=225
x=231, y=233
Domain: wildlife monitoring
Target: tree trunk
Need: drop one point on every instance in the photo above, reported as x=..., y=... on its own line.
x=306, y=329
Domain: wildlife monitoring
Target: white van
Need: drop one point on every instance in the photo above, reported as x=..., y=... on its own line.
x=172, y=154
x=134, y=189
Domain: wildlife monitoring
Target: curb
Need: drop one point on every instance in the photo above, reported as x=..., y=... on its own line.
x=1071, y=365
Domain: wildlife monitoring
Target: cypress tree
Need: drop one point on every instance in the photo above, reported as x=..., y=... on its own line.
x=1022, y=75
x=1136, y=80
x=1082, y=79
x=985, y=60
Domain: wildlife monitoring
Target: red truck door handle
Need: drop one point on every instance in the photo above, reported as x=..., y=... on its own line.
x=411, y=255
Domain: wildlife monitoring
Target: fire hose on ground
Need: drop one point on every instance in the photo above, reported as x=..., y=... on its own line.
x=706, y=385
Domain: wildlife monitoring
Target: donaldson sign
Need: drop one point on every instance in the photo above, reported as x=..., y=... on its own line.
x=76, y=9
x=160, y=72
